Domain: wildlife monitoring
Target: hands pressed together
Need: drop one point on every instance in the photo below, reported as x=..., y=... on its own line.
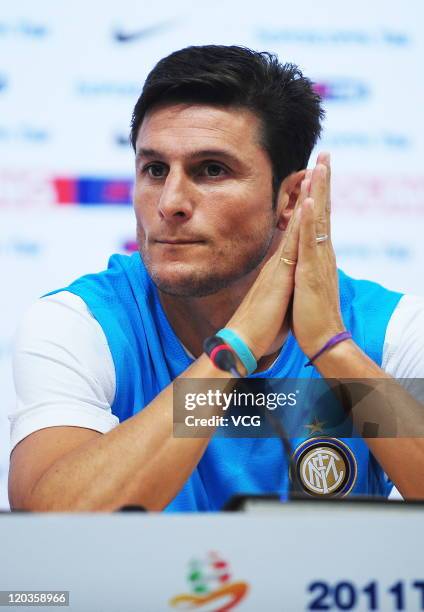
x=302, y=269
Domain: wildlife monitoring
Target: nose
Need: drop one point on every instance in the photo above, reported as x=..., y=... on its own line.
x=176, y=197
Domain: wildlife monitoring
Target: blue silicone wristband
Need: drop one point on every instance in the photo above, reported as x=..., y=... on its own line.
x=240, y=347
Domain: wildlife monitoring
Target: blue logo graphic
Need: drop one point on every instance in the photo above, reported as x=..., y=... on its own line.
x=24, y=28
x=394, y=252
x=334, y=37
x=24, y=133
x=93, y=191
x=20, y=247
x=108, y=88
x=366, y=140
x=342, y=90
x=122, y=140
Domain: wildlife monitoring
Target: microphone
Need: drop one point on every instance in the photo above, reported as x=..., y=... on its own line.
x=221, y=355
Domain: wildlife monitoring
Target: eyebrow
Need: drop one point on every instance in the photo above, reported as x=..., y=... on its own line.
x=221, y=153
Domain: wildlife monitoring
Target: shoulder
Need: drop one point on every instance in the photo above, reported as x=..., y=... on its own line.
x=63, y=369
x=366, y=295
x=403, y=354
x=55, y=318
x=367, y=308
x=123, y=272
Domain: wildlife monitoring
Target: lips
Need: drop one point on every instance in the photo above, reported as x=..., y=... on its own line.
x=173, y=241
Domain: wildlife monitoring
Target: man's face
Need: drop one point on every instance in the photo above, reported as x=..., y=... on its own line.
x=202, y=197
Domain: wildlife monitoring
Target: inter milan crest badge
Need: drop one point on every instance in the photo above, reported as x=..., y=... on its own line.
x=325, y=467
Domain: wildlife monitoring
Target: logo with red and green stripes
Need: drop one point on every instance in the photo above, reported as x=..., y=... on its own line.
x=211, y=586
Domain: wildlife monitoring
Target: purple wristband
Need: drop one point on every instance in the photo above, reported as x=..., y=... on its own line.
x=332, y=342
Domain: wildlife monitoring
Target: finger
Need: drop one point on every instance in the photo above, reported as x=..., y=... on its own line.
x=324, y=158
x=307, y=252
x=289, y=252
x=319, y=194
x=303, y=194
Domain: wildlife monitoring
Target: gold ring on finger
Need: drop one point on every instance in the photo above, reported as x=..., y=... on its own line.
x=321, y=238
x=289, y=262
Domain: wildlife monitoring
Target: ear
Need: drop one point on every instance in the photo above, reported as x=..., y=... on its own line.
x=287, y=197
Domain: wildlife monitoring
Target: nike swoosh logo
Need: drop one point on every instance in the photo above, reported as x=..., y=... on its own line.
x=123, y=36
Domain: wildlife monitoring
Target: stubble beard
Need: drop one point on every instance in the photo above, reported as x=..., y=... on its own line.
x=203, y=281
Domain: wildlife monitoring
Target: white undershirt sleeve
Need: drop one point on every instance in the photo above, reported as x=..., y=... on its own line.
x=403, y=352
x=63, y=369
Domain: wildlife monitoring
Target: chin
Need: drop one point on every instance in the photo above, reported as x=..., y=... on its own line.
x=185, y=281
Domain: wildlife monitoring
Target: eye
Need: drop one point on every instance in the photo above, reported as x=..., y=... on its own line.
x=155, y=170
x=214, y=170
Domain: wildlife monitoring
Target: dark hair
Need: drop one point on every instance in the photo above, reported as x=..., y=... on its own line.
x=285, y=101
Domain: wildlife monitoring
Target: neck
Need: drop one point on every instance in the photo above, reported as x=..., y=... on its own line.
x=194, y=319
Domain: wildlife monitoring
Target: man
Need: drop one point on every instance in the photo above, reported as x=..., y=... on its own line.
x=234, y=233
